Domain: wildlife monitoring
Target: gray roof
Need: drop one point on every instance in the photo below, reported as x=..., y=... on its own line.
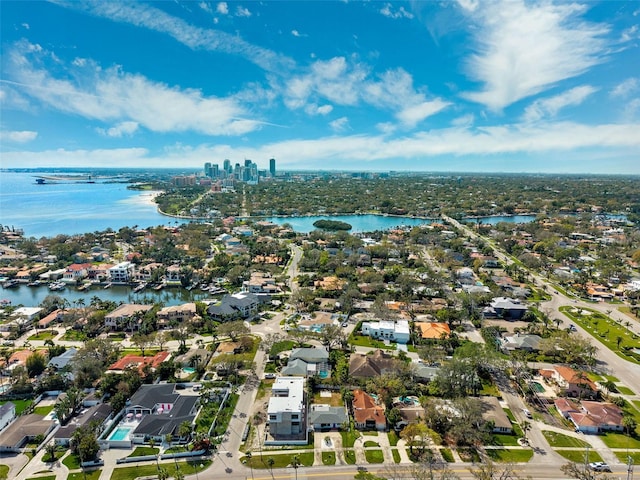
x=310, y=355
x=296, y=366
x=97, y=413
x=337, y=415
x=492, y=411
x=63, y=359
x=148, y=396
x=4, y=408
x=524, y=342
x=425, y=372
x=168, y=423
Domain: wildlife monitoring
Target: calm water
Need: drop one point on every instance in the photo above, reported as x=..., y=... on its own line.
x=70, y=208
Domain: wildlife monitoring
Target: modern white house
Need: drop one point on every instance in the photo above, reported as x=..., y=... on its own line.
x=286, y=410
x=123, y=272
x=395, y=331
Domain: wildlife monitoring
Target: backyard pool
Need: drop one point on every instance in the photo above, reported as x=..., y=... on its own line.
x=537, y=387
x=120, y=433
x=188, y=370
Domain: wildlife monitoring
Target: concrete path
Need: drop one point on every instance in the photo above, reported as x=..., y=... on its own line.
x=596, y=442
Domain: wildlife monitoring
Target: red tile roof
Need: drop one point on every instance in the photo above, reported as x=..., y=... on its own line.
x=140, y=362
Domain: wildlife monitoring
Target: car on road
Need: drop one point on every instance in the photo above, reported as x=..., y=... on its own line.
x=345, y=324
x=572, y=328
x=527, y=413
x=599, y=467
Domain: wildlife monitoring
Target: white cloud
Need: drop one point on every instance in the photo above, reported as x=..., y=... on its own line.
x=469, y=5
x=296, y=33
x=414, y=114
x=340, y=124
x=26, y=26
x=23, y=136
x=112, y=94
x=523, y=49
x=630, y=33
x=387, y=11
x=242, y=12
x=120, y=130
x=387, y=128
x=147, y=16
x=549, y=107
x=464, y=121
x=313, y=109
x=206, y=7
x=82, y=158
x=625, y=88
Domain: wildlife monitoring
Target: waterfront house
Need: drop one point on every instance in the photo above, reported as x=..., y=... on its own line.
x=125, y=316
x=176, y=313
x=123, y=272
x=76, y=272
x=239, y=305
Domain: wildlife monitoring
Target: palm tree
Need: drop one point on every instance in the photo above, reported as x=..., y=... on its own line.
x=270, y=462
x=50, y=449
x=526, y=426
x=295, y=463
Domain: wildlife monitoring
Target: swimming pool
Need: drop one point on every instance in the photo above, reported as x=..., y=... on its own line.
x=536, y=387
x=120, y=433
x=188, y=370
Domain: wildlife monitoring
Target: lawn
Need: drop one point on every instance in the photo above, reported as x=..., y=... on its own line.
x=350, y=457
x=469, y=454
x=618, y=440
x=142, y=451
x=625, y=390
x=371, y=443
x=374, y=456
x=622, y=456
x=44, y=411
x=605, y=330
x=393, y=438
x=92, y=475
x=636, y=403
x=71, y=461
x=396, y=455
x=46, y=477
x=447, y=455
x=560, y=440
x=513, y=456
x=364, y=341
x=4, y=471
x=279, y=460
x=151, y=470
x=44, y=335
x=21, y=405
x=500, y=439
x=349, y=438
x=577, y=456
x=74, y=336
x=335, y=400
x=328, y=458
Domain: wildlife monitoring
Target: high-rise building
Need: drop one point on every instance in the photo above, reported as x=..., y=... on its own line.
x=207, y=169
x=272, y=167
x=215, y=171
x=226, y=166
x=247, y=163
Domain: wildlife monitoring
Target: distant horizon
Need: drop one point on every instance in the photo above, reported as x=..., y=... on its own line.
x=512, y=86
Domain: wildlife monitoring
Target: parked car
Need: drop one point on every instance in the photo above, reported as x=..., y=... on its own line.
x=269, y=375
x=527, y=413
x=599, y=467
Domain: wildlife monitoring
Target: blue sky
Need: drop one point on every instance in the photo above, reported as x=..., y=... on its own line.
x=491, y=86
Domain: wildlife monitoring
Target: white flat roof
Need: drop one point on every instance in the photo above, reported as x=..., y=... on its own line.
x=293, y=401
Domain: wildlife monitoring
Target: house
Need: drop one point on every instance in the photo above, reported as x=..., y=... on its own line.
x=173, y=274
x=372, y=365
x=54, y=316
x=493, y=412
x=317, y=321
x=162, y=410
x=261, y=283
x=26, y=315
x=62, y=360
x=565, y=406
x=367, y=414
x=25, y=428
x=330, y=283
x=596, y=417
x=124, y=317
x=176, y=313
x=7, y=414
x=286, y=409
x=136, y=361
x=570, y=382
x=507, y=308
x=528, y=343
x=76, y=272
x=238, y=305
x=308, y=362
x=123, y=272
x=395, y=331
x=431, y=330
x=97, y=415
x=324, y=417
x=408, y=414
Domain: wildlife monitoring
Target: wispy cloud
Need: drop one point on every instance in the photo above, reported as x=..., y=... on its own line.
x=222, y=8
x=340, y=124
x=523, y=49
x=388, y=11
x=625, y=88
x=242, y=12
x=549, y=107
x=119, y=130
x=296, y=33
x=23, y=136
x=111, y=94
x=147, y=16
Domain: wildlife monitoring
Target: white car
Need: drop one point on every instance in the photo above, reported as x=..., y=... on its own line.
x=527, y=413
x=599, y=467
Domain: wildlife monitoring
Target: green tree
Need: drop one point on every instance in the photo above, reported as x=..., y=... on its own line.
x=36, y=364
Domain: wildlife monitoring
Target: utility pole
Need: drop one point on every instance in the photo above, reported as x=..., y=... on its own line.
x=629, y=467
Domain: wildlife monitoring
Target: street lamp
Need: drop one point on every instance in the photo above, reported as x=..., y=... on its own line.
x=295, y=462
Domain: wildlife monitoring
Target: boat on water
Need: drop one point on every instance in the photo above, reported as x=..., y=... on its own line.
x=159, y=287
x=108, y=285
x=36, y=283
x=140, y=287
x=83, y=287
x=10, y=283
x=56, y=286
x=5, y=301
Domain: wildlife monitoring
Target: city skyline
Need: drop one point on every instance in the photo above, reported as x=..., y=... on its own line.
x=423, y=86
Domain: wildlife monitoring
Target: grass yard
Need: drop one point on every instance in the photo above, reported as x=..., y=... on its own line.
x=142, y=451
x=577, y=456
x=622, y=456
x=511, y=456
x=92, y=475
x=74, y=336
x=605, y=330
x=364, y=341
x=71, y=461
x=611, y=378
x=46, y=477
x=371, y=443
x=393, y=438
x=44, y=335
x=335, y=400
x=636, y=403
x=618, y=440
x=21, y=405
x=328, y=458
x=447, y=455
x=44, y=411
x=469, y=455
x=374, y=456
x=499, y=439
x=560, y=440
x=350, y=457
x=396, y=455
x=279, y=460
x=349, y=438
x=4, y=471
x=625, y=390
x=151, y=470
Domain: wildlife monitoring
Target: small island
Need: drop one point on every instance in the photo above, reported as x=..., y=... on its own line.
x=332, y=225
